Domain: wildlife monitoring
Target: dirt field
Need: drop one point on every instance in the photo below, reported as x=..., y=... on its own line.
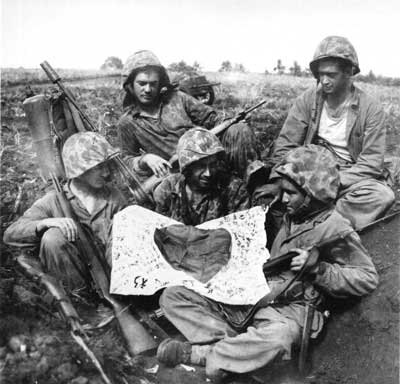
x=360, y=345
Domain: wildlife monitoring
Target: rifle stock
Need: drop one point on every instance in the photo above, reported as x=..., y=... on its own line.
x=33, y=269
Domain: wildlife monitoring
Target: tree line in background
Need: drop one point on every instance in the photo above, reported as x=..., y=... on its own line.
x=115, y=64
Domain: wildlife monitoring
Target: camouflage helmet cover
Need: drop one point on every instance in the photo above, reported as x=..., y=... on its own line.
x=196, y=144
x=83, y=151
x=314, y=169
x=140, y=60
x=335, y=47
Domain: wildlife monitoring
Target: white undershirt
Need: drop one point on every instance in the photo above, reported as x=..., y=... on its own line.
x=333, y=130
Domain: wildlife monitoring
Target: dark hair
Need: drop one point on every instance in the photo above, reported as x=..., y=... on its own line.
x=129, y=99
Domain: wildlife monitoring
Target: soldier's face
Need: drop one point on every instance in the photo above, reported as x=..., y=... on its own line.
x=146, y=87
x=292, y=197
x=203, y=173
x=97, y=177
x=332, y=77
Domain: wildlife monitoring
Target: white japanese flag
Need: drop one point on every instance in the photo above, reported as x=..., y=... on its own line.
x=139, y=268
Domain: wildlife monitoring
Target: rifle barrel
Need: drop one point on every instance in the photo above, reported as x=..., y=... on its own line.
x=254, y=107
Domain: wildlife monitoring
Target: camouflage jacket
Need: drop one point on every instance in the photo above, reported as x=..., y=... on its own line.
x=171, y=200
x=366, y=133
x=139, y=133
x=344, y=267
x=97, y=225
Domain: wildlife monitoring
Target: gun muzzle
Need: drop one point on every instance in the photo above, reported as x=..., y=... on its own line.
x=50, y=72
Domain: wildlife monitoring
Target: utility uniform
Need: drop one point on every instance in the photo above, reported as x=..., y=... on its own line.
x=82, y=152
x=218, y=335
x=57, y=254
x=178, y=112
x=345, y=270
x=140, y=133
x=364, y=194
x=171, y=200
x=226, y=194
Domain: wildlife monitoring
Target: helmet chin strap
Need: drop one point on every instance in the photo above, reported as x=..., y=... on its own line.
x=303, y=207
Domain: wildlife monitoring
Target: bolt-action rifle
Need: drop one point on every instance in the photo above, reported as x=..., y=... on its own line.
x=137, y=338
x=221, y=128
x=135, y=335
x=152, y=181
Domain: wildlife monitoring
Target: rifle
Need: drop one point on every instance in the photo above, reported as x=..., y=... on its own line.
x=33, y=269
x=221, y=128
x=152, y=181
x=282, y=262
x=137, y=338
x=134, y=185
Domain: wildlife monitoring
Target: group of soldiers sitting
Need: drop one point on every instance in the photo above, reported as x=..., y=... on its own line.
x=327, y=178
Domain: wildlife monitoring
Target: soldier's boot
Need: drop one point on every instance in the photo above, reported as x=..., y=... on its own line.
x=173, y=352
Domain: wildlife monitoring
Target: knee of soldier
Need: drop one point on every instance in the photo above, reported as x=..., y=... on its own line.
x=171, y=296
x=386, y=196
x=289, y=335
x=281, y=334
x=53, y=240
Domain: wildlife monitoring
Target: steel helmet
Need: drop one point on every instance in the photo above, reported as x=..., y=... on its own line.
x=196, y=144
x=335, y=47
x=83, y=151
x=314, y=169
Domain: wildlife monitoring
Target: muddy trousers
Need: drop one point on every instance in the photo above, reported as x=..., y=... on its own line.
x=364, y=202
x=204, y=321
x=62, y=260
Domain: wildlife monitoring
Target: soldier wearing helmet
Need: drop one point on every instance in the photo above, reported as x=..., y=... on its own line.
x=86, y=158
x=204, y=189
x=157, y=115
x=341, y=117
x=329, y=254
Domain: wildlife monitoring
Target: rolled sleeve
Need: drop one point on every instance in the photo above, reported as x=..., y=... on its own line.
x=24, y=230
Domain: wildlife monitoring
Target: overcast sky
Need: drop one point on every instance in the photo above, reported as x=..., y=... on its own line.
x=82, y=33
